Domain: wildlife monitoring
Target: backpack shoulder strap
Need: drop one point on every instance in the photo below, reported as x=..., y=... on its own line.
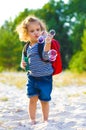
x=40, y=50
x=25, y=49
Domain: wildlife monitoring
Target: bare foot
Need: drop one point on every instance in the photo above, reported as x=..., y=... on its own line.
x=33, y=122
x=45, y=121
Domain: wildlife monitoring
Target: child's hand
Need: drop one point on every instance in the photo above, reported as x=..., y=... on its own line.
x=48, y=40
x=50, y=36
x=23, y=64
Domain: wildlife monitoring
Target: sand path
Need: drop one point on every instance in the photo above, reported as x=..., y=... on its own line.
x=67, y=109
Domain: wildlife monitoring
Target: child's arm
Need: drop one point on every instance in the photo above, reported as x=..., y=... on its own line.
x=23, y=63
x=47, y=47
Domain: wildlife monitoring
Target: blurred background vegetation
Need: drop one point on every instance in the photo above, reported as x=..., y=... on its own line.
x=69, y=22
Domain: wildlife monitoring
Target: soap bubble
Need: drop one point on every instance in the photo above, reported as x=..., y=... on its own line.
x=52, y=54
x=52, y=32
x=41, y=39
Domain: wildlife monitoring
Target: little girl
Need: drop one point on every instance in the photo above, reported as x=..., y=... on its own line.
x=39, y=84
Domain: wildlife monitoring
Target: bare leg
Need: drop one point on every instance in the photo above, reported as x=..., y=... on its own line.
x=45, y=110
x=32, y=108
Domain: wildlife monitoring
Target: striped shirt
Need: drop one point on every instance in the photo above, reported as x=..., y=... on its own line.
x=38, y=67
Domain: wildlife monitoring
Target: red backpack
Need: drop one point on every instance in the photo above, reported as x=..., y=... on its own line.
x=57, y=64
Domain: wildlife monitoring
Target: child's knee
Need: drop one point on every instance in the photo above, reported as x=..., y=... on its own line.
x=33, y=99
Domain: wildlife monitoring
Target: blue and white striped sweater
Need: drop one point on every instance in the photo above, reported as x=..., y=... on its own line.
x=38, y=67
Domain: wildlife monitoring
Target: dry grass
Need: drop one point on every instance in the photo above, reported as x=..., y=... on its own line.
x=68, y=78
x=84, y=92
x=17, y=79
x=64, y=79
x=3, y=99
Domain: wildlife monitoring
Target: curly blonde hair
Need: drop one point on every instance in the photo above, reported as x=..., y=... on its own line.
x=22, y=29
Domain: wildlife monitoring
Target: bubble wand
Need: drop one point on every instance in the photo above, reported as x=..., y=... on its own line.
x=52, y=54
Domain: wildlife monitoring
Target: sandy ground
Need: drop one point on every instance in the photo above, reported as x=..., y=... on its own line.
x=67, y=109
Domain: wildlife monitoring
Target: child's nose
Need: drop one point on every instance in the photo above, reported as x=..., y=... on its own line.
x=36, y=32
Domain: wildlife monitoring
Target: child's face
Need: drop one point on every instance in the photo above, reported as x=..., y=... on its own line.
x=34, y=31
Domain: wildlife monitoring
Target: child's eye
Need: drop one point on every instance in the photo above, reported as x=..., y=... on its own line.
x=32, y=31
x=38, y=29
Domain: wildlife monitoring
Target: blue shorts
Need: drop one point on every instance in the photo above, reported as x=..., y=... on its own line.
x=40, y=86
